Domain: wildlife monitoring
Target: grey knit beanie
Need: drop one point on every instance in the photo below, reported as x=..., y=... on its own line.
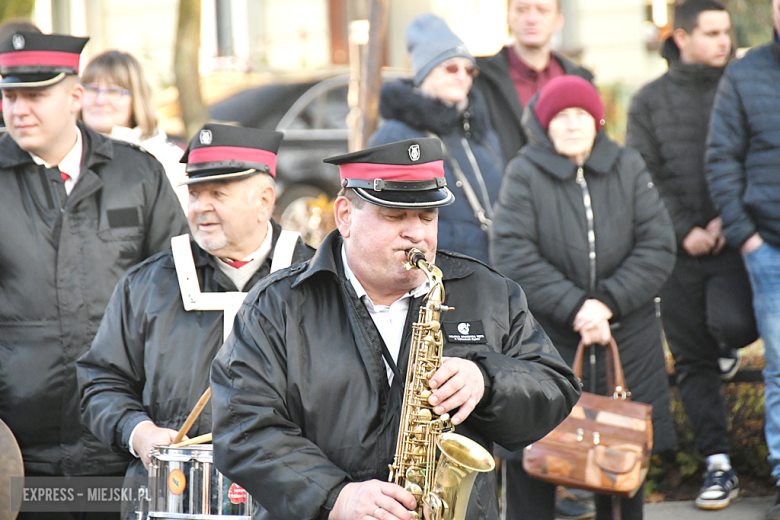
x=430, y=42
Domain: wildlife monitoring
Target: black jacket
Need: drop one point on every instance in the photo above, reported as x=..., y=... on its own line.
x=150, y=359
x=743, y=147
x=410, y=114
x=667, y=123
x=301, y=400
x=506, y=111
x=60, y=259
x=540, y=240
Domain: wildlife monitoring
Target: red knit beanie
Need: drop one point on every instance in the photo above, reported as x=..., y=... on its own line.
x=568, y=92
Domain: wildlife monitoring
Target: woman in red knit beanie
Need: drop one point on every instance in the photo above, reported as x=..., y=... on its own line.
x=580, y=226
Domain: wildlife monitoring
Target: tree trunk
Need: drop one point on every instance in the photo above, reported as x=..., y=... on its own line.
x=186, y=67
x=371, y=73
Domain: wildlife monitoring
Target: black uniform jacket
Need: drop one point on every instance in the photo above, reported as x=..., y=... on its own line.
x=506, y=110
x=150, y=359
x=60, y=258
x=540, y=240
x=301, y=400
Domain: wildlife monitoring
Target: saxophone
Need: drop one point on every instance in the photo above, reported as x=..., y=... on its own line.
x=442, y=492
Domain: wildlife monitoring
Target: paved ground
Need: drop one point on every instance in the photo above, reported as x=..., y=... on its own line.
x=740, y=509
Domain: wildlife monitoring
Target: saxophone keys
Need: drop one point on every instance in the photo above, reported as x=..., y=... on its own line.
x=415, y=476
x=415, y=490
x=435, y=325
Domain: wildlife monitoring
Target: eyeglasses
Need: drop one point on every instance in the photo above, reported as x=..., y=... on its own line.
x=453, y=68
x=92, y=91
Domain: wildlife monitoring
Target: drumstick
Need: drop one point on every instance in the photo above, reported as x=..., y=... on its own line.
x=200, y=439
x=193, y=415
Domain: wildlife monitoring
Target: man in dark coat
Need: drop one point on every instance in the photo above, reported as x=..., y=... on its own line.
x=308, y=389
x=79, y=210
x=150, y=360
x=509, y=79
x=742, y=161
x=706, y=303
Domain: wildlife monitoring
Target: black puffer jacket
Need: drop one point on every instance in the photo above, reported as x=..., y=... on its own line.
x=411, y=114
x=506, y=111
x=301, y=400
x=59, y=262
x=743, y=147
x=667, y=123
x=540, y=240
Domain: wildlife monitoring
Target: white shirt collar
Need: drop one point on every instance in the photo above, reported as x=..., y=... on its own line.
x=242, y=275
x=70, y=164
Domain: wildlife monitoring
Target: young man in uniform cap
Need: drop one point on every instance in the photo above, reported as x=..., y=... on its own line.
x=308, y=389
x=79, y=210
x=150, y=360
x=510, y=78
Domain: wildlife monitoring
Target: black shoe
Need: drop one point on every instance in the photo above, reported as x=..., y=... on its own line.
x=774, y=512
x=570, y=507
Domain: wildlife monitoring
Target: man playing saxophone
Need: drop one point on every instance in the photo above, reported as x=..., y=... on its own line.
x=308, y=390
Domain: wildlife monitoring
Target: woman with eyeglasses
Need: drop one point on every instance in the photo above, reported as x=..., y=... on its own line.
x=438, y=102
x=118, y=102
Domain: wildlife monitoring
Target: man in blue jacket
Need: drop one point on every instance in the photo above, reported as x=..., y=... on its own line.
x=743, y=159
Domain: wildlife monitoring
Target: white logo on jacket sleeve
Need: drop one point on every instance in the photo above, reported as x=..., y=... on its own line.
x=463, y=328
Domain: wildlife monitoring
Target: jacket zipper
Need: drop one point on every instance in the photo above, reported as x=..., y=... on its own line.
x=591, y=258
x=591, y=229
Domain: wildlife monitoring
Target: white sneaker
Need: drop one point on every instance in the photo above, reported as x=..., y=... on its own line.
x=729, y=365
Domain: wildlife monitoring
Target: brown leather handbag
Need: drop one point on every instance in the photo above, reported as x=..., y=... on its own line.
x=603, y=445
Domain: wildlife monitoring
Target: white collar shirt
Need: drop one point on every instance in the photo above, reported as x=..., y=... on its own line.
x=389, y=319
x=70, y=164
x=241, y=275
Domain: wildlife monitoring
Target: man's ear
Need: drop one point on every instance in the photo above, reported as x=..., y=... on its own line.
x=76, y=98
x=560, y=20
x=680, y=38
x=267, y=201
x=342, y=213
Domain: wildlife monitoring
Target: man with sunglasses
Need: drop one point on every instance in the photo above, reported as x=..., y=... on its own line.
x=509, y=79
x=79, y=210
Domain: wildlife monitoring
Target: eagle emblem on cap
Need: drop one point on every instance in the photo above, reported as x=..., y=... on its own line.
x=18, y=42
x=205, y=136
x=414, y=152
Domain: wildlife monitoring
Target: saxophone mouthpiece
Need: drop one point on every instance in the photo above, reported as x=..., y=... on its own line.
x=414, y=256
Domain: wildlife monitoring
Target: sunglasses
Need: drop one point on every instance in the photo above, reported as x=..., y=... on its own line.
x=92, y=91
x=470, y=70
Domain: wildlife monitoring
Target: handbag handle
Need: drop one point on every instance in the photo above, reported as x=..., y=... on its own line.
x=615, y=378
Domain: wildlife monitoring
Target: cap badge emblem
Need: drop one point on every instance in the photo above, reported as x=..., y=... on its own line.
x=18, y=42
x=205, y=136
x=463, y=328
x=414, y=152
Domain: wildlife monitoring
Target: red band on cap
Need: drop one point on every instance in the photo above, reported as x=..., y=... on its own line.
x=233, y=153
x=392, y=172
x=41, y=58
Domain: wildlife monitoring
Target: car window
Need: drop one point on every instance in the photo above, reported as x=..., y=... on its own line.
x=326, y=111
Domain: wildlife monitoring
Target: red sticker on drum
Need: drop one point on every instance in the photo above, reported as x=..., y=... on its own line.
x=177, y=482
x=237, y=494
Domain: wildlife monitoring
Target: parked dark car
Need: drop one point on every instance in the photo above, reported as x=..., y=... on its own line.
x=313, y=117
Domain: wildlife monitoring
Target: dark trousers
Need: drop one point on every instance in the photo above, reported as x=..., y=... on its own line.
x=526, y=498
x=707, y=310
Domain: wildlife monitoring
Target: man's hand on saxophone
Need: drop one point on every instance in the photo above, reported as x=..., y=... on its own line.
x=373, y=499
x=457, y=383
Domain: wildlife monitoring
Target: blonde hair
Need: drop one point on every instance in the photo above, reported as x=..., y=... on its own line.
x=125, y=71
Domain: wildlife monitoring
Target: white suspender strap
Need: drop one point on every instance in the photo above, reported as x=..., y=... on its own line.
x=193, y=299
x=284, y=250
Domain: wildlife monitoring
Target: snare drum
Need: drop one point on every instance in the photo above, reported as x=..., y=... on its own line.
x=185, y=484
